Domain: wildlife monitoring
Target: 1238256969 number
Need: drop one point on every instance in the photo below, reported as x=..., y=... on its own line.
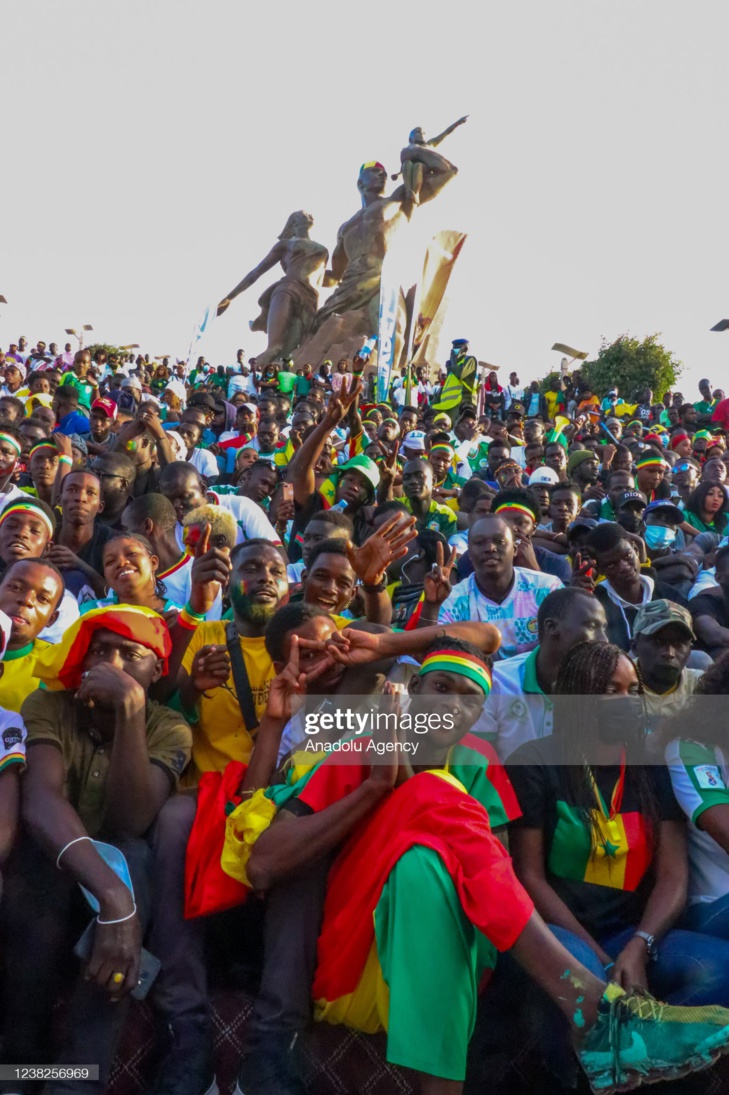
x=49, y=1072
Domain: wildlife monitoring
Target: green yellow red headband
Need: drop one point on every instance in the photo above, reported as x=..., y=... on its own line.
x=45, y=445
x=27, y=507
x=651, y=462
x=11, y=441
x=514, y=507
x=441, y=446
x=456, y=661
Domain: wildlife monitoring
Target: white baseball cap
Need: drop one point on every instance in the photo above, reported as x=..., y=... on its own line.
x=415, y=440
x=544, y=476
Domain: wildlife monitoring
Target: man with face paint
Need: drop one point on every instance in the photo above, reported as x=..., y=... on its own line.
x=258, y=586
x=208, y=696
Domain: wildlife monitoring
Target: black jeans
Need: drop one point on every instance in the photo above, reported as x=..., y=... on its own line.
x=43, y=915
x=291, y=929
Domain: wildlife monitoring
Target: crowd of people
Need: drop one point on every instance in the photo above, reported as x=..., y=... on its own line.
x=195, y=563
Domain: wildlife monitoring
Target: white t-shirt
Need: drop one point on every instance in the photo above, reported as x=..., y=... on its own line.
x=178, y=584
x=240, y=383
x=250, y=518
x=205, y=463
x=515, y=617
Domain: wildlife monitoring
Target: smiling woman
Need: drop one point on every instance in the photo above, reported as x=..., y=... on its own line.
x=130, y=572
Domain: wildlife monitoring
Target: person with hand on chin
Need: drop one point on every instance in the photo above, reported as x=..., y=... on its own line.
x=102, y=760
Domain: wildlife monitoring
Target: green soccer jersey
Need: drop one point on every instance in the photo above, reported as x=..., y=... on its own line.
x=439, y=517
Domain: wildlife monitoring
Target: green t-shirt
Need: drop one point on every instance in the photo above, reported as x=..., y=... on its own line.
x=286, y=382
x=85, y=391
x=303, y=386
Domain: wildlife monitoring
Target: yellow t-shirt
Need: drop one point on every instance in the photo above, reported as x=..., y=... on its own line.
x=219, y=734
x=16, y=674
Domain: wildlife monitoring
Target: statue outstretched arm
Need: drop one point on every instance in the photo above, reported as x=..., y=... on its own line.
x=434, y=141
x=272, y=258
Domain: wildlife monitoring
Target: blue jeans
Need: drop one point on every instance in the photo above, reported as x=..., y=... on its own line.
x=711, y=918
x=691, y=969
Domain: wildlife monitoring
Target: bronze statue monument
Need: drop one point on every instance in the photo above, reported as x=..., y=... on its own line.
x=352, y=311
x=288, y=307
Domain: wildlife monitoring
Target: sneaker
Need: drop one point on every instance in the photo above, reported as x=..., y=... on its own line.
x=187, y=1069
x=637, y=1040
x=271, y=1068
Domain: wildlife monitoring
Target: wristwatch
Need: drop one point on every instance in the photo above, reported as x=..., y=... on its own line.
x=650, y=944
x=380, y=587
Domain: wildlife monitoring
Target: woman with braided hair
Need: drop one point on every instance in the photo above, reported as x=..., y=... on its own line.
x=601, y=845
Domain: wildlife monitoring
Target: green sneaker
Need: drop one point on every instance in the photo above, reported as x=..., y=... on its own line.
x=637, y=1040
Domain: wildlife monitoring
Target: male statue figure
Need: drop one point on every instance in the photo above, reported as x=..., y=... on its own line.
x=363, y=241
x=418, y=160
x=288, y=307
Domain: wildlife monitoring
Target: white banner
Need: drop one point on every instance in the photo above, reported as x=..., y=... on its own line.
x=201, y=329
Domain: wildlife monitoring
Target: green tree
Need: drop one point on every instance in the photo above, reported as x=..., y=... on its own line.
x=104, y=346
x=631, y=366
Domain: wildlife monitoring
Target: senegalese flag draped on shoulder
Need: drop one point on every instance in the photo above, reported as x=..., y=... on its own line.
x=60, y=665
x=617, y=853
x=358, y=962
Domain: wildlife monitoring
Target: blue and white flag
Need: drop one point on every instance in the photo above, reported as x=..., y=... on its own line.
x=201, y=329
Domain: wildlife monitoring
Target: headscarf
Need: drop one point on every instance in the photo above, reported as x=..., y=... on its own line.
x=60, y=666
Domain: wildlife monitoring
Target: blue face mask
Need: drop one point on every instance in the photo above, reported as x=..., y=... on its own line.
x=658, y=536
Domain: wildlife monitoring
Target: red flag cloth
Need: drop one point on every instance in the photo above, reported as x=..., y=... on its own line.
x=431, y=811
x=208, y=889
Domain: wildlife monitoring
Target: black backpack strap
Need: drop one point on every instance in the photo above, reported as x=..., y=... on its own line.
x=242, y=684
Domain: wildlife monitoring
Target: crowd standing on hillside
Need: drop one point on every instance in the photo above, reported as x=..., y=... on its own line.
x=534, y=584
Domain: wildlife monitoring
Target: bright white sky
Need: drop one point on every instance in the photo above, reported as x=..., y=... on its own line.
x=153, y=151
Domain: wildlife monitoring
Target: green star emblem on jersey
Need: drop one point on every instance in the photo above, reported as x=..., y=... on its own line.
x=610, y=849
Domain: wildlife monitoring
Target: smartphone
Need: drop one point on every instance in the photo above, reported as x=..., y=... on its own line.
x=288, y=492
x=149, y=966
